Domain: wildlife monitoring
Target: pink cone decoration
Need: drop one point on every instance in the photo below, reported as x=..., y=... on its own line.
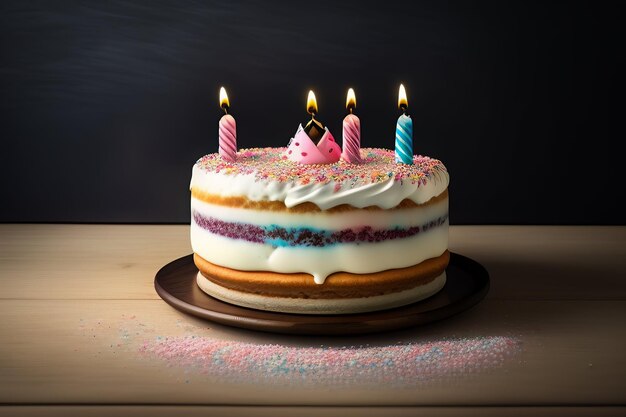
x=302, y=149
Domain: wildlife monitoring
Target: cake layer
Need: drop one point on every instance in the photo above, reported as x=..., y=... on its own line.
x=232, y=220
x=358, y=258
x=337, y=285
x=322, y=306
x=305, y=235
x=244, y=202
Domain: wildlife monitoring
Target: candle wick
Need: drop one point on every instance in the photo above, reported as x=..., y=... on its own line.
x=350, y=109
x=225, y=108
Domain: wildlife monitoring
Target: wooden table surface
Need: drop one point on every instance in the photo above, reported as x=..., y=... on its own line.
x=83, y=332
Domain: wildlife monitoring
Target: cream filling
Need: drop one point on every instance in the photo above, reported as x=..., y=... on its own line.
x=384, y=219
x=360, y=258
x=385, y=194
x=322, y=306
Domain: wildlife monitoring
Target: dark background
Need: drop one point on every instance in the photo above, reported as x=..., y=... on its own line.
x=105, y=106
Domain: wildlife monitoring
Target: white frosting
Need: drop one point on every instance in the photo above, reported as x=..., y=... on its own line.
x=322, y=306
x=385, y=194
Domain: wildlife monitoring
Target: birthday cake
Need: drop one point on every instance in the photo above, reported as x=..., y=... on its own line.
x=312, y=229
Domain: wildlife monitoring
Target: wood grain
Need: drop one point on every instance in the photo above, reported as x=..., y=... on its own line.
x=86, y=262
x=70, y=294
x=548, y=262
x=290, y=411
x=66, y=351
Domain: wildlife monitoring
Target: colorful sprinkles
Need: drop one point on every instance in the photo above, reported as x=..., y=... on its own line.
x=398, y=365
x=191, y=351
x=270, y=164
x=305, y=236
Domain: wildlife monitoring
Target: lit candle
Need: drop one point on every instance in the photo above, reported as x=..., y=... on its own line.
x=351, y=132
x=404, y=131
x=227, y=131
x=314, y=128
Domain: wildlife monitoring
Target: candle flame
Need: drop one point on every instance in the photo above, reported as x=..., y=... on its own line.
x=311, y=103
x=224, y=103
x=403, y=102
x=350, y=100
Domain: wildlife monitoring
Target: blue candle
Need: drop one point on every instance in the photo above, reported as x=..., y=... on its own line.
x=404, y=132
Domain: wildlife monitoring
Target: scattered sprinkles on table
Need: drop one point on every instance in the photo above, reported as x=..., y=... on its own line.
x=377, y=165
x=191, y=352
x=397, y=365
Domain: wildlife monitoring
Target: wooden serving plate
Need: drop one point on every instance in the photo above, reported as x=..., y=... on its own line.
x=467, y=283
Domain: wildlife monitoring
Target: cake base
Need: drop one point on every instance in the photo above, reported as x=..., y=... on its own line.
x=467, y=282
x=322, y=305
x=341, y=293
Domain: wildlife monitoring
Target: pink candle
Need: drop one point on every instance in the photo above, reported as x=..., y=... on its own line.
x=227, y=131
x=351, y=132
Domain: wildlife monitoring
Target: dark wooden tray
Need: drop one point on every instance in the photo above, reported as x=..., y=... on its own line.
x=467, y=283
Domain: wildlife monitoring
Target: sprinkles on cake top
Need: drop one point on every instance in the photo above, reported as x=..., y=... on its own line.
x=377, y=165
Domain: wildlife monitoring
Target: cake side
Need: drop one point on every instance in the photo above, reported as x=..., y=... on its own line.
x=263, y=213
